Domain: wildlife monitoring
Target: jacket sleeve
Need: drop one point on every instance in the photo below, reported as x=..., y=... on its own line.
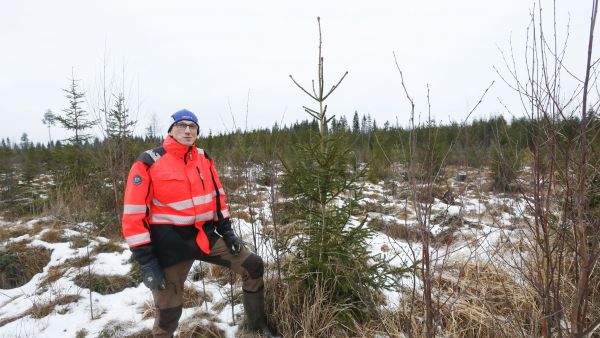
x=138, y=194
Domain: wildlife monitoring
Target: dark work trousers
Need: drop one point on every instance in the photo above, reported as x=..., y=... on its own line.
x=168, y=301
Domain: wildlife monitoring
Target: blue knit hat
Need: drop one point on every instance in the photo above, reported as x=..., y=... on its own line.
x=183, y=115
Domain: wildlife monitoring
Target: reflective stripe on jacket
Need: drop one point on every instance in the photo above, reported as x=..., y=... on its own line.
x=175, y=185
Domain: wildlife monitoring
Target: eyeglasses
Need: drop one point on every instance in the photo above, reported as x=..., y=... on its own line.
x=184, y=126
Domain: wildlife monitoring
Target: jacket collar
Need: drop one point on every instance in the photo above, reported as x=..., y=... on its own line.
x=177, y=149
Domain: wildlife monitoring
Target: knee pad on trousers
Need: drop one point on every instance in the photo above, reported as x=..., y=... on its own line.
x=169, y=318
x=254, y=265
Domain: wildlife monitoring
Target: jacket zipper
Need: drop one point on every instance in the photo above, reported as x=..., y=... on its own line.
x=201, y=178
x=188, y=153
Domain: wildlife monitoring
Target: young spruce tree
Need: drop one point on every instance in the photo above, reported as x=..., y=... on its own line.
x=331, y=253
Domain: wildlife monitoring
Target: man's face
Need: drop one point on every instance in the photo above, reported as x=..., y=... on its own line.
x=184, y=132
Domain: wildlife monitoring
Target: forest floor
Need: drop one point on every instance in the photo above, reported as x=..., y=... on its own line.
x=48, y=266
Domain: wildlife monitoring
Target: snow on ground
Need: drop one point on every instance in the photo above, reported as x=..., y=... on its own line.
x=125, y=308
x=475, y=225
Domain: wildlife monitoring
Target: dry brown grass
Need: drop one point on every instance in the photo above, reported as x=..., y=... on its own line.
x=114, y=329
x=241, y=214
x=444, y=238
x=19, y=262
x=107, y=247
x=104, y=284
x=53, y=236
x=12, y=319
x=78, y=241
x=471, y=300
x=450, y=224
x=147, y=309
x=79, y=261
x=410, y=233
x=146, y=333
x=52, y=224
x=285, y=230
x=376, y=207
x=391, y=324
x=54, y=274
x=39, y=226
x=221, y=274
x=7, y=232
x=301, y=314
x=43, y=310
x=71, y=204
x=219, y=306
x=194, y=327
x=193, y=297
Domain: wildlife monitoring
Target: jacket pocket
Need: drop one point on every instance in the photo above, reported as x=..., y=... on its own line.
x=169, y=186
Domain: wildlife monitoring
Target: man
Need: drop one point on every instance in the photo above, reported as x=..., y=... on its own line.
x=175, y=212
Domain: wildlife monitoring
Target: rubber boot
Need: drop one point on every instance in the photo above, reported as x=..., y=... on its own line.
x=254, y=307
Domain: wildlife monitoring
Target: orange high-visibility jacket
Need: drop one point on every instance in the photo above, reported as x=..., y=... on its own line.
x=175, y=185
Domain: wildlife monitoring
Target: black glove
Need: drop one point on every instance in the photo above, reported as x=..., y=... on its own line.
x=233, y=243
x=153, y=276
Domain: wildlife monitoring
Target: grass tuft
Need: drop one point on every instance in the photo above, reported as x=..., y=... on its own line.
x=78, y=241
x=19, y=263
x=43, y=310
x=53, y=236
x=79, y=261
x=108, y=247
x=192, y=297
x=200, y=324
x=54, y=274
x=104, y=284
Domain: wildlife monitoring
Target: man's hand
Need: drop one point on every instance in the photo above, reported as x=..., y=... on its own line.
x=153, y=276
x=234, y=244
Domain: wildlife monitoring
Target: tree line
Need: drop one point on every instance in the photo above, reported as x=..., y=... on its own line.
x=101, y=165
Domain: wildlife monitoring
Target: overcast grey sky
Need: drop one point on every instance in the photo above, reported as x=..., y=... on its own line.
x=209, y=57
